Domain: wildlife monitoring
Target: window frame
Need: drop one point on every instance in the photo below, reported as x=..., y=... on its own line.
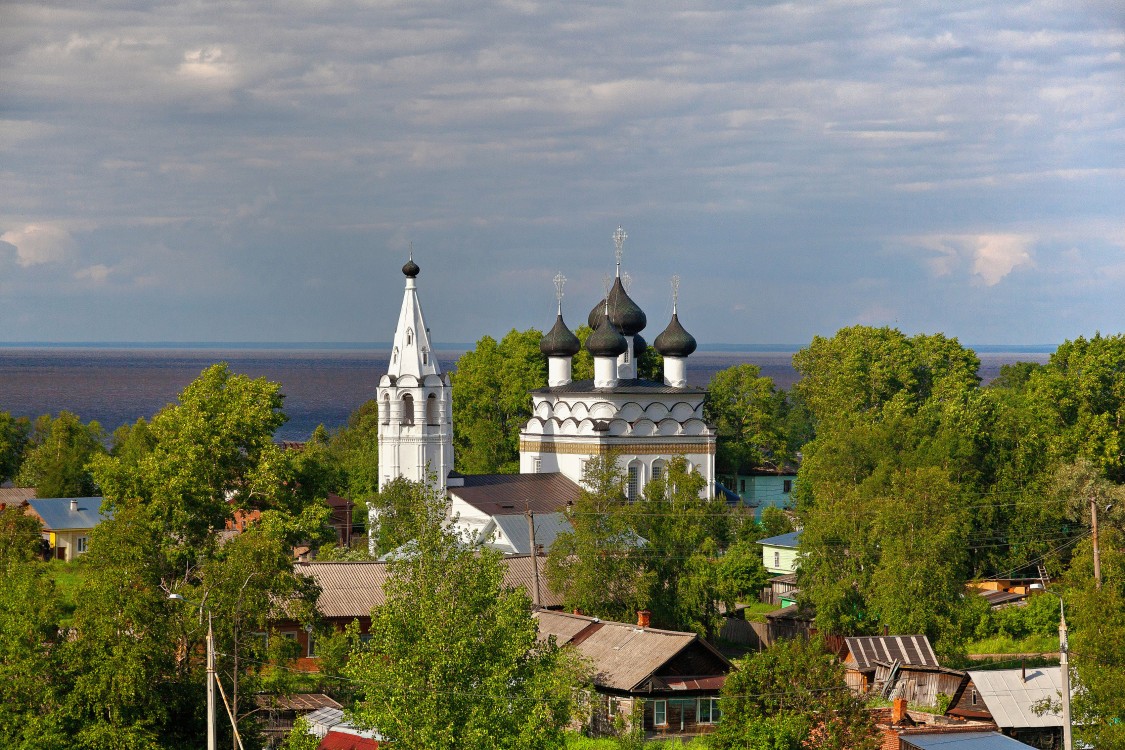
x=660, y=705
x=81, y=545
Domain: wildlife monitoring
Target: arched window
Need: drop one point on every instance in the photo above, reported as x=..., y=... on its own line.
x=394, y=356
x=657, y=469
x=386, y=408
x=633, y=485
x=433, y=415
x=407, y=409
x=409, y=336
x=425, y=356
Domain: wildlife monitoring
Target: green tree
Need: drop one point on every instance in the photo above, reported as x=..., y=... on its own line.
x=743, y=405
x=789, y=697
x=454, y=659
x=58, y=455
x=15, y=432
x=685, y=533
x=397, y=506
x=775, y=522
x=29, y=664
x=741, y=574
x=355, y=450
x=491, y=401
x=594, y=567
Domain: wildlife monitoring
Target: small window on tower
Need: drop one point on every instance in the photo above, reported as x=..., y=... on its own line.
x=409, y=336
x=425, y=356
x=407, y=409
x=394, y=356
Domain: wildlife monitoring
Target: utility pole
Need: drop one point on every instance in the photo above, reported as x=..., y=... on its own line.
x=1064, y=668
x=534, y=552
x=210, y=684
x=1094, y=529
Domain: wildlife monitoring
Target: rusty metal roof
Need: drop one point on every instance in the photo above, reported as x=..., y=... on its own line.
x=864, y=651
x=623, y=656
x=295, y=702
x=352, y=589
x=509, y=494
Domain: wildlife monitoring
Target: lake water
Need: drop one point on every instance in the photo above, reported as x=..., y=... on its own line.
x=116, y=386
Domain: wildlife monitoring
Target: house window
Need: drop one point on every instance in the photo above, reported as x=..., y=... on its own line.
x=312, y=646
x=742, y=486
x=81, y=544
x=536, y=465
x=787, y=486
x=407, y=409
x=708, y=711
x=660, y=713
x=631, y=487
x=776, y=559
x=610, y=707
x=973, y=696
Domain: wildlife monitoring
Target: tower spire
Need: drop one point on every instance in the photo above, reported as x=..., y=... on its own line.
x=619, y=238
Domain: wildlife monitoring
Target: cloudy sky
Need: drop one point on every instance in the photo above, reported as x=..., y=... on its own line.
x=257, y=171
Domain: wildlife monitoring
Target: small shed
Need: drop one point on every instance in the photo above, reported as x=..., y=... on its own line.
x=920, y=684
x=862, y=654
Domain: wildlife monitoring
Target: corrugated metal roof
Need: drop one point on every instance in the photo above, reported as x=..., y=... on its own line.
x=16, y=495
x=337, y=740
x=789, y=540
x=622, y=655
x=864, y=651
x=513, y=494
x=295, y=702
x=325, y=720
x=57, y=515
x=961, y=741
x=352, y=589
x=547, y=527
x=1010, y=698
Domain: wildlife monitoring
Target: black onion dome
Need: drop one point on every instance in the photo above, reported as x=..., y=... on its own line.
x=624, y=312
x=674, y=341
x=606, y=341
x=559, y=341
x=411, y=269
x=639, y=346
x=594, y=319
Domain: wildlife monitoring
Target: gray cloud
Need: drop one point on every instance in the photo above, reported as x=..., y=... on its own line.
x=802, y=166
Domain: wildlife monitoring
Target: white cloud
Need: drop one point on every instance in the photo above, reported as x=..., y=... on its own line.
x=997, y=255
x=40, y=243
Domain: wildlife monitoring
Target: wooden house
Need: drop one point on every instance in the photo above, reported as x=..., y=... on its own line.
x=67, y=523
x=862, y=653
x=672, y=678
x=1008, y=697
x=779, y=553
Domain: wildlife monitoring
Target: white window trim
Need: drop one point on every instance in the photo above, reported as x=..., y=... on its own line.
x=662, y=706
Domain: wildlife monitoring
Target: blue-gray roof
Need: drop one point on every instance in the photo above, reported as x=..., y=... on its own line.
x=547, y=527
x=961, y=741
x=784, y=540
x=57, y=515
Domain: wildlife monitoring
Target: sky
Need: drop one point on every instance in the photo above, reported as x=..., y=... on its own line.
x=258, y=171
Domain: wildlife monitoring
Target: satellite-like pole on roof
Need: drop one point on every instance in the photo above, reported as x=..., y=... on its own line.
x=534, y=550
x=619, y=238
x=560, y=282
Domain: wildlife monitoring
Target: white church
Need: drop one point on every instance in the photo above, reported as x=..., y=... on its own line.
x=644, y=422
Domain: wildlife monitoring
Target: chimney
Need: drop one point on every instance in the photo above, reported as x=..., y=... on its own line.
x=886, y=630
x=644, y=617
x=577, y=611
x=898, y=713
x=74, y=505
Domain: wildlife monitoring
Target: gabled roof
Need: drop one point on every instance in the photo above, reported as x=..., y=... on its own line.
x=56, y=514
x=864, y=651
x=16, y=495
x=1010, y=698
x=624, y=656
x=789, y=540
x=515, y=530
x=352, y=589
x=512, y=494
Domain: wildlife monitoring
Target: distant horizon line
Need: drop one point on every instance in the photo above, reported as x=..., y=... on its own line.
x=452, y=346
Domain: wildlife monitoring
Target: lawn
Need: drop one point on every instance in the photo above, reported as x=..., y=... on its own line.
x=67, y=577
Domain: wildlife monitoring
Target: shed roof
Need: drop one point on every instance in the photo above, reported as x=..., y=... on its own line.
x=789, y=540
x=1010, y=698
x=623, y=655
x=512, y=494
x=352, y=589
x=57, y=515
x=864, y=651
x=960, y=741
